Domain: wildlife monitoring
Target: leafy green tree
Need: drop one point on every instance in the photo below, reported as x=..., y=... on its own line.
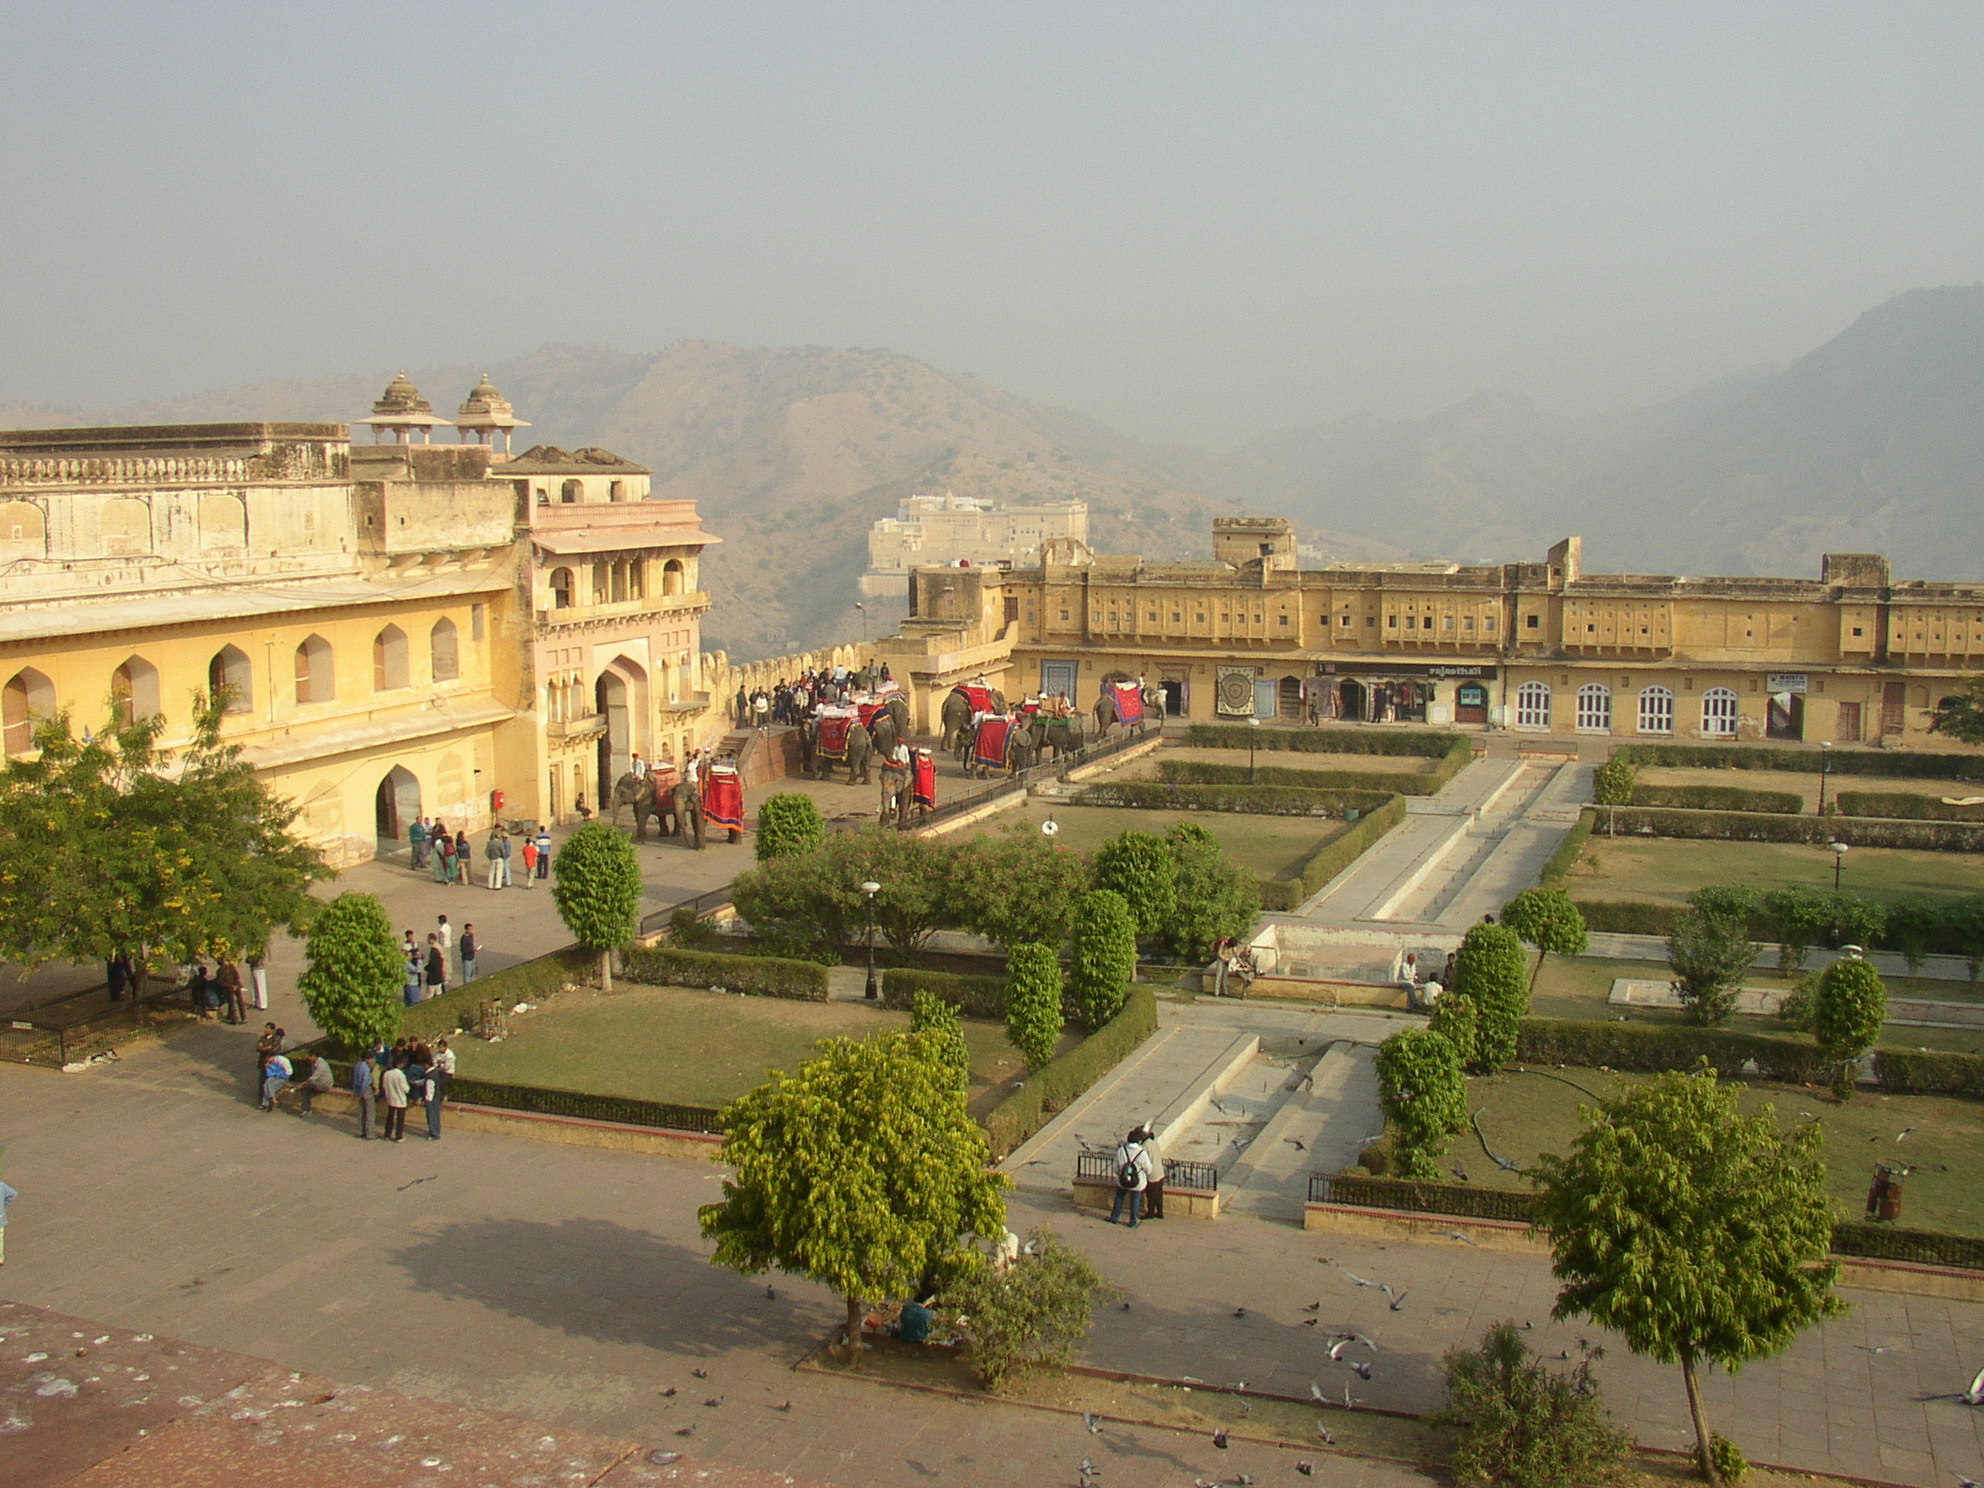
x=1848, y=1009
x=1709, y=956
x=1735, y=902
x=116, y=845
x=1142, y=868
x=1033, y=1002
x=1961, y=714
x=1913, y=924
x=1032, y=1315
x=1856, y=920
x=1548, y=920
x=943, y=1027
x=801, y=907
x=1020, y=888
x=1519, y=1422
x=1696, y=1233
x=863, y=1171
x=1800, y=917
x=1217, y=899
x=596, y=884
x=1612, y=782
x=1491, y=971
x=1105, y=956
x=1457, y=1020
x=1424, y=1096
x=351, y=987
x=1964, y=923
x=789, y=826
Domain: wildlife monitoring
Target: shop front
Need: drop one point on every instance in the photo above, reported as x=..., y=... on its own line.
x=1399, y=692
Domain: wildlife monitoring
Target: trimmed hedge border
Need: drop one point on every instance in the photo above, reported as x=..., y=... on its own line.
x=1249, y=800
x=1650, y=1048
x=1565, y=858
x=1905, y=806
x=440, y=1016
x=1849, y=1237
x=973, y=996
x=1426, y=743
x=1920, y=1072
x=1892, y=764
x=1054, y=1086
x=1719, y=798
x=1749, y=826
x=756, y=976
x=1206, y=772
x=1630, y=916
x=542, y=1101
x=1327, y=861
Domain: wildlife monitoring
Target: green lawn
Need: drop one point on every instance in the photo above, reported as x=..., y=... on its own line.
x=699, y=1048
x=1267, y=846
x=1523, y=1115
x=1667, y=870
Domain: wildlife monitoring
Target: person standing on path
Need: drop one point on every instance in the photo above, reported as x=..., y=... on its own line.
x=1132, y=1178
x=415, y=976
x=468, y=952
x=436, y=976
x=464, y=856
x=258, y=978
x=440, y=1075
x=543, y=850
x=365, y=1092
x=393, y=1086
x=1154, y=1189
x=416, y=841
x=446, y=931
x=530, y=861
x=497, y=850
x=443, y=854
x=228, y=979
x=8, y=1194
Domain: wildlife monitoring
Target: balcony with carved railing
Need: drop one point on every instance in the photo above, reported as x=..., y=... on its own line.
x=695, y=602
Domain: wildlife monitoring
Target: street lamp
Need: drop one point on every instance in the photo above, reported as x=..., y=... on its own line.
x=864, y=623
x=1251, y=737
x=871, y=889
x=1838, y=851
x=1825, y=771
x=1050, y=827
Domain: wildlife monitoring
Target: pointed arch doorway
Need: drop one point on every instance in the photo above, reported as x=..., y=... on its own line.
x=396, y=806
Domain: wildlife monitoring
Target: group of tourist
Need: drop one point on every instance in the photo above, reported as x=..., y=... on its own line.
x=451, y=855
x=1139, y=1177
x=222, y=993
x=409, y=1073
x=789, y=703
x=426, y=968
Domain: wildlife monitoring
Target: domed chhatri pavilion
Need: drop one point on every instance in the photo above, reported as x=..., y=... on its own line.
x=401, y=410
x=486, y=413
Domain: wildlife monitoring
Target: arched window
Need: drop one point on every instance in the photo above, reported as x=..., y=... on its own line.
x=1657, y=711
x=316, y=682
x=1719, y=713
x=134, y=690
x=28, y=698
x=23, y=530
x=444, y=649
x=223, y=524
x=672, y=576
x=561, y=588
x=1594, y=708
x=124, y=527
x=389, y=661
x=569, y=492
x=228, y=678
x=1532, y=705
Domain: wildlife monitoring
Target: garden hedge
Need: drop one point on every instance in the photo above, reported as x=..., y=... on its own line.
x=1925, y=1072
x=528, y=981
x=1629, y=916
x=1719, y=798
x=973, y=996
x=756, y=976
x=1054, y=1086
x=1649, y=1048
x=1426, y=781
x=1252, y=800
x=583, y=1104
x=1750, y=826
x=1327, y=861
x=1894, y=764
x=1905, y=805
x=1427, y=743
x=1565, y=858
x=1851, y=1237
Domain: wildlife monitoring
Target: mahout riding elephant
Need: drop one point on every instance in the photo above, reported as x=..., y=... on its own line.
x=1105, y=709
x=639, y=792
x=890, y=727
x=1053, y=736
x=895, y=801
x=955, y=716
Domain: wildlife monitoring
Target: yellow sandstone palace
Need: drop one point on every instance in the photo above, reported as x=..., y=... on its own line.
x=1851, y=657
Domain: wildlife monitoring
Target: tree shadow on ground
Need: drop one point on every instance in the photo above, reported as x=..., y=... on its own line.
x=595, y=1279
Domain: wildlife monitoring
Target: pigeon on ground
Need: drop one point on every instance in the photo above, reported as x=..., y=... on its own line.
x=1306, y=1468
x=1093, y=1422
x=784, y=1405
x=714, y=1401
x=664, y=1459
x=1457, y=1235
x=685, y=1431
x=1875, y=1348
x=1905, y=1131
x=700, y=1373
x=1219, y=1438
x=1973, y=1396
x=1314, y=1307
x=771, y=1294
x=1310, y=1322
x=1324, y=1432
x=669, y=1393
x=1089, y=1469
x=1239, y=1312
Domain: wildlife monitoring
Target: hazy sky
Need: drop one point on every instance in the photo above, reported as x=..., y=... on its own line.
x=1197, y=222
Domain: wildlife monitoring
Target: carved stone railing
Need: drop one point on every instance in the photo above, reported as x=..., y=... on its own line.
x=123, y=470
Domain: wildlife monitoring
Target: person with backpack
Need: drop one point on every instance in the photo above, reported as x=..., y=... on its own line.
x=1133, y=1174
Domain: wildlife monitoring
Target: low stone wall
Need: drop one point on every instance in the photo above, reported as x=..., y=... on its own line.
x=1327, y=993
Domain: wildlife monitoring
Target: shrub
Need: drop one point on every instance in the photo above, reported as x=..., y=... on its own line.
x=1105, y=957
x=1029, y=1316
x=596, y=883
x=1052, y=1089
x=1491, y=971
x=755, y=976
x=1799, y=917
x=1350, y=739
x=1892, y=763
x=973, y=996
x=1216, y=899
x=1912, y=928
x=1848, y=1009
x=1796, y=1011
x=932, y=1015
x=351, y=987
x=1033, y=1006
x=1963, y=923
x=1612, y=782
x=1709, y=956
x=1548, y=920
x=1021, y=888
x=1903, y=805
x=1650, y=1048
x=1457, y=1020
x=1424, y=1096
x=1521, y=1423
x=1717, y=798
x=1734, y=902
x=529, y=981
x=1142, y=869
x=789, y=826
x=1424, y=782
x=1928, y=1072
x=1730, y=1465
x=1629, y=916
x=1757, y=826
x=1565, y=858
x=1251, y=800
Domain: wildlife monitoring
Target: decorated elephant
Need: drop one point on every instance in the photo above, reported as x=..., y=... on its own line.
x=687, y=801
x=1121, y=702
x=960, y=706
x=895, y=800
x=1000, y=742
x=840, y=740
x=1053, y=736
x=640, y=793
x=890, y=727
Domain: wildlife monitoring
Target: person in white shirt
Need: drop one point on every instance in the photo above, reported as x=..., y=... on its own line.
x=393, y=1086
x=640, y=766
x=1133, y=1175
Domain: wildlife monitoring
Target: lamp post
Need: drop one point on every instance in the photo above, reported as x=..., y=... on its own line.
x=1825, y=771
x=871, y=889
x=864, y=623
x=1838, y=851
x=1251, y=737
